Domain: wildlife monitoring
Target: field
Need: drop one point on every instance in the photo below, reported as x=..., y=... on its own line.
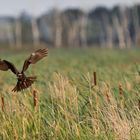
x=66, y=104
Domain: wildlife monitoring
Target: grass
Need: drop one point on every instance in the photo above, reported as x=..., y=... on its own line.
x=66, y=104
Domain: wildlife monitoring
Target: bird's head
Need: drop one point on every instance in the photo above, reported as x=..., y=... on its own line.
x=20, y=76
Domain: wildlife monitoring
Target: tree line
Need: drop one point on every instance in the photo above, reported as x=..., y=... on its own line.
x=103, y=27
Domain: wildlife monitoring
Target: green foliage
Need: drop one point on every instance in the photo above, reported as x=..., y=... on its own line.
x=69, y=105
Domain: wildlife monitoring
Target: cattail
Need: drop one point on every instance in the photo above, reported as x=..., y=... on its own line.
x=94, y=78
x=35, y=100
x=2, y=103
x=122, y=101
x=139, y=104
x=120, y=90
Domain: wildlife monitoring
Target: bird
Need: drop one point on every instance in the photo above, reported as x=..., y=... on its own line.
x=23, y=81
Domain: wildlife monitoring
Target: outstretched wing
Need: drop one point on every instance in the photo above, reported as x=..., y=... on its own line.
x=34, y=57
x=6, y=65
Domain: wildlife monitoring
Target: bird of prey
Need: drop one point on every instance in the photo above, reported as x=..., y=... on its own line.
x=23, y=81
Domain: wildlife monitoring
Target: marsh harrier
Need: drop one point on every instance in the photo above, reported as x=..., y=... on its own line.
x=23, y=81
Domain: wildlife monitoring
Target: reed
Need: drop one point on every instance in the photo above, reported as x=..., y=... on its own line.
x=2, y=104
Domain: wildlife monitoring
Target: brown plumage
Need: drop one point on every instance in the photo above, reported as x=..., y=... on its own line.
x=23, y=81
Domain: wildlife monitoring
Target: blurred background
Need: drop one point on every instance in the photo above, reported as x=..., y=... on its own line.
x=75, y=23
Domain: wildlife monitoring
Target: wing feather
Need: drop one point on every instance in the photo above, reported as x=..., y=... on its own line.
x=6, y=65
x=3, y=66
x=34, y=58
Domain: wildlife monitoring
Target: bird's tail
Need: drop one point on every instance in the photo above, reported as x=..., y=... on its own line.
x=27, y=82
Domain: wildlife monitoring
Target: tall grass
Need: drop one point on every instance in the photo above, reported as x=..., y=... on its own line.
x=78, y=95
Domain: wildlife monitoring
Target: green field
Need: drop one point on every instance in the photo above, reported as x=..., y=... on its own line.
x=69, y=105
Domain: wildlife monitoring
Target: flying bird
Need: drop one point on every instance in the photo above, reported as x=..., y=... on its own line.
x=23, y=81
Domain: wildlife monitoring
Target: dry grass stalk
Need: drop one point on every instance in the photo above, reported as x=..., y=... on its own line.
x=119, y=123
x=115, y=116
x=107, y=93
x=109, y=97
x=2, y=103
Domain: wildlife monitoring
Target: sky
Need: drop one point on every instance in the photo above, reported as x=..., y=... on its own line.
x=38, y=7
